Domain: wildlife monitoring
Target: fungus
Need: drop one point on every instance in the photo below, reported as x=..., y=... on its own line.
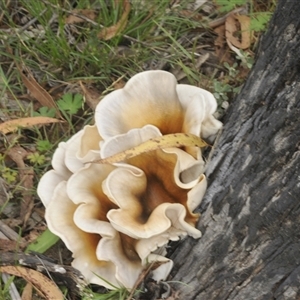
x=117, y=218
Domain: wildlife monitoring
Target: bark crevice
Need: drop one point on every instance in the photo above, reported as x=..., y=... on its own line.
x=250, y=222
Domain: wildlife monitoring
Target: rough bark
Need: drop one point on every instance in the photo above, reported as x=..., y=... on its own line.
x=250, y=222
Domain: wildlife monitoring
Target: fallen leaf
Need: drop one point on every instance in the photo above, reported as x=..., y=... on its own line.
x=165, y=141
x=12, y=125
x=189, y=14
x=38, y=93
x=221, y=48
x=41, y=283
x=92, y=97
x=108, y=33
x=8, y=245
x=238, y=25
x=119, y=83
x=17, y=154
x=220, y=40
x=245, y=22
x=221, y=21
x=75, y=18
x=237, y=51
x=27, y=292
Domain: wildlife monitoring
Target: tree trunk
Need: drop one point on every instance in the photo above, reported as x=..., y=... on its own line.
x=250, y=222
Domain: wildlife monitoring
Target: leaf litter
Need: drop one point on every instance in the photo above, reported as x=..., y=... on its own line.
x=103, y=54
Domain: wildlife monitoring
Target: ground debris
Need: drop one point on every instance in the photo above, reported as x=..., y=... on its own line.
x=60, y=274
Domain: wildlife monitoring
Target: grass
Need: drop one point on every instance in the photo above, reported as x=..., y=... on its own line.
x=4, y=287
x=80, y=51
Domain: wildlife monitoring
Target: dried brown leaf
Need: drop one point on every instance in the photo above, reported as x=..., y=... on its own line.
x=245, y=22
x=220, y=40
x=92, y=97
x=27, y=292
x=12, y=125
x=165, y=141
x=221, y=48
x=17, y=154
x=8, y=245
x=119, y=83
x=109, y=32
x=74, y=18
x=238, y=25
x=41, y=283
x=39, y=93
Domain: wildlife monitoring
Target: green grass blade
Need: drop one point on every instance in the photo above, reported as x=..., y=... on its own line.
x=45, y=241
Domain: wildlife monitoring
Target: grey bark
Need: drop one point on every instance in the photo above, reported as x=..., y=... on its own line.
x=250, y=221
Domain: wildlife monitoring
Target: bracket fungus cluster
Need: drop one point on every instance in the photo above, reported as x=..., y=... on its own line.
x=117, y=217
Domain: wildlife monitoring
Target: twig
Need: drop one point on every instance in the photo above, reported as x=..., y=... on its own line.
x=23, y=28
x=220, y=21
x=140, y=279
x=111, y=87
x=152, y=266
x=8, y=232
x=61, y=274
